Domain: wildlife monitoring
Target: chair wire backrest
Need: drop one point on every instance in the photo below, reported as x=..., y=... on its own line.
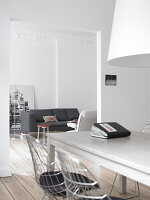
x=39, y=157
x=146, y=128
x=50, y=181
x=86, y=119
x=77, y=186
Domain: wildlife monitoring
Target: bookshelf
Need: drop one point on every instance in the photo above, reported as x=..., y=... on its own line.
x=17, y=104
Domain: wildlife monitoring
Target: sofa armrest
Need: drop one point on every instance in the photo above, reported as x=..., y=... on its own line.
x=28, y=122
x=24, y=121
x=32, y=123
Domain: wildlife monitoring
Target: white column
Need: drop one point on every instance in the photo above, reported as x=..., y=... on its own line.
x=99, y=75
x=4, y=90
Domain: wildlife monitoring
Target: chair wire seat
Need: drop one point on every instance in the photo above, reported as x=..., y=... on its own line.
x=53, y=182
x=80, y=189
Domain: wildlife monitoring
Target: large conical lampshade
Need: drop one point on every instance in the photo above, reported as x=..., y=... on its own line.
x=130, y=37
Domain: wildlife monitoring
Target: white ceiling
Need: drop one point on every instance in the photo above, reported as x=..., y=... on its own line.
x=76, y=14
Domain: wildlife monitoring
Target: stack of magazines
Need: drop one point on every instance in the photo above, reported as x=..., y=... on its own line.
x=109, y=130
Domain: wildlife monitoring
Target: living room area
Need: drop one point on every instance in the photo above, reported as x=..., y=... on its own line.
x=50, y=68
x=56, y=81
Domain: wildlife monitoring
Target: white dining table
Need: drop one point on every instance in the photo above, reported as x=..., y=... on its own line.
x=129, y=156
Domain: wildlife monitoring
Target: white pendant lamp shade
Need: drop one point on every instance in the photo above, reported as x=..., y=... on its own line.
x=130, y=37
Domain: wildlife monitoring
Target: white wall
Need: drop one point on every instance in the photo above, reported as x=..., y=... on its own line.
x=33, y=62
x=4, y=90
x=64, y=75
x=77, y=79
x=127, y=103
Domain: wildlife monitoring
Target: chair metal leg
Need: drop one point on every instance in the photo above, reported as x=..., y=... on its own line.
x=44, y=134
x=47, y=132
x=47, y=129
x=136, y=186
x=135, y=189
x=113, y=184
x=38, y=136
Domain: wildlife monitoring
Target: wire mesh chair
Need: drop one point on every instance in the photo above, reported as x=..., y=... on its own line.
x=52, y=182
x=77, y=187
x=146, y=128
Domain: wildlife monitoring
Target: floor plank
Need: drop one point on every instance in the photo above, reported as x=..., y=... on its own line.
x=28, y=182
x=4, y=193
x=16, y=189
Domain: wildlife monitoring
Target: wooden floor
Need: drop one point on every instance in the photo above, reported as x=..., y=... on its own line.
x=22, y=186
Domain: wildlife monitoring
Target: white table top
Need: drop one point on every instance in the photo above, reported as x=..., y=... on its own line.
x=133, y=151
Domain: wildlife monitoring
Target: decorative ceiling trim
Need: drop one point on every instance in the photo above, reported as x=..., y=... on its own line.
x=63, y=41
x=32, y=37
x=76, y=42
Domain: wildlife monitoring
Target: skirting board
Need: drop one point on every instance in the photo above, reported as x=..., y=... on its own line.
x=5, y=172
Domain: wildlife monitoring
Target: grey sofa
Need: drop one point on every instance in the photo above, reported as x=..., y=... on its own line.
x=30, y=119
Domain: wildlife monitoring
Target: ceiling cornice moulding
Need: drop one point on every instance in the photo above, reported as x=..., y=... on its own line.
x=37, y=38
x=81, y=43
x=70, y=40
x=63, y=41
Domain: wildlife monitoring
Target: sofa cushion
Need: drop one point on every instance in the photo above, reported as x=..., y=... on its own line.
x=39, y=113
x=72, y=113
x=51, y=118
x=61, y=114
